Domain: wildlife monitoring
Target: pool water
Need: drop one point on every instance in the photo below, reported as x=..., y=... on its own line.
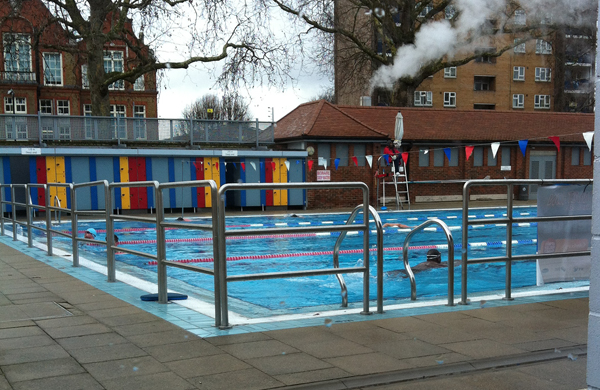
x=256, y=254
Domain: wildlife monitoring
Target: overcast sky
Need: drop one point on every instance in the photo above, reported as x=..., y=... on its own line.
x=181, y=87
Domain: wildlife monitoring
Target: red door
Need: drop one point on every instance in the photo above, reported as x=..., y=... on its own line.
x=41, y=179
x=133, y=191
x=269, y=179
x=200, y=192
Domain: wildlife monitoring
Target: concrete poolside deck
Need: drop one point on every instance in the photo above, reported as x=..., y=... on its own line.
x=58, y=332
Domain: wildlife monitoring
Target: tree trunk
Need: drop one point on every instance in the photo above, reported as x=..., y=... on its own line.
x=95, y=59
x=404, y=94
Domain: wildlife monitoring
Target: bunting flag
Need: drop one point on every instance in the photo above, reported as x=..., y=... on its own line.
x=321, y=161
x=448, y=152
x=310, y=164
x=495, y=146
x=588, y=135
x=337, y=163
x=193, y=162
x=297, y=162
x=387, y=159
x=369, y=160
x=523, y=146
x=556, y=141
x=287, y=165
x=405, y=157
x=273, y=165
x=325, y=163
x=425, y=151
x=243, y=166
x=355, y=159
x=217, y=166
x=234, y=165
x=469, y=151
x=253, y=164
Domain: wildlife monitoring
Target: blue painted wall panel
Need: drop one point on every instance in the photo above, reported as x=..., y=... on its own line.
x=149, y=178
x=6, y=179
x=104, y=171
x=81, y=175
x=253, y=197
x=93, y=190
x=160, y=173
x=117, y=179
x=296, y=175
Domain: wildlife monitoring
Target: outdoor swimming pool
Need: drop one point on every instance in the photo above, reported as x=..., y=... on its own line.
x=261, y=254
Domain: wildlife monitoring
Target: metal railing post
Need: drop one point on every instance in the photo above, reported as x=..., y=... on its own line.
x=74, y=224
x=110, y=257
x=465, y=244
x=216, y=263
x=39, y=115
x=257, y=132
x=366, y=254
x=28, y=212
x=161, y=251
x=509, y=226
x=14, y=212
x=221, y=259
x=170, y=129
x=48, y=221
x=1, y=211
x=191, y=132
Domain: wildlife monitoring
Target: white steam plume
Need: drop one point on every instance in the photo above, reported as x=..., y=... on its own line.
x=438, y=38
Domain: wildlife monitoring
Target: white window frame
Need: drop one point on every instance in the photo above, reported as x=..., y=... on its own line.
x=119, y=126
x=22, y=53
x=44, y=107
x=543, y=75
x=63, y=108
x=47, y=108
x=520, y=48
x=520, y=18
x=85, y=82
x=88, y=123
x=543, y=47
x=423, y=98
x=20, y=108
x=542, y=102
x=139, y=125
x=48, y=71
x=450, y=72
x=518, y=100
x=112, y=63
x=518, y=73
x=449, y=99
x=139, y=84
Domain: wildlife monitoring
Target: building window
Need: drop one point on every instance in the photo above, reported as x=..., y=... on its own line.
x=450, y=11
x=450, y=73
x=520, y=18
x=85, y=83
x=449, y=99
x=453, y=157
x=341, y=152
x=19, y=131
x=438, y=157
x=543, y=74
x=575, y=156
x=88, y=122
x=64, y=124
x=423, y=157
x=478, y=156
x=506, y=156
x=428, y=8
x=423, y=98
x=52, y=69
x=519, y=47
x=119, y=125
x=139, y=124
x=17, y=57
x=46, y=106
x=139, y=84
x=324, y=153
x=62, y=107
x=113, y=62
x=542, y=102
x=519, y=73
x=483, y=83
x=484, y=106
x=485, y=59
x=543, y=47
x=587, y=157
x=491, y=160
x=518, y=101
x=359, y=152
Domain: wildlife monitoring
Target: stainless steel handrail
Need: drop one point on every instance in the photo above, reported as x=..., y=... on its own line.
x=336, y=254
x=509, y=220
x=411, y=275
x=222, y=234
x=57, y=212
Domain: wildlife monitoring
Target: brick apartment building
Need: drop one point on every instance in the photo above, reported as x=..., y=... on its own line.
x=550, y=74
x=349, y=133
x=35, y=77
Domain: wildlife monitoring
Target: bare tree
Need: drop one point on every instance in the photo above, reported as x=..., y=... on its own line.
x=327, y=95
x=230, y=107
x=165, y=34
x=393, y=45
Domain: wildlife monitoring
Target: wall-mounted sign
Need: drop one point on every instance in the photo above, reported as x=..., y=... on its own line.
x=323, y=175
x=505, y=168
x=229, y=153
x=35, y=151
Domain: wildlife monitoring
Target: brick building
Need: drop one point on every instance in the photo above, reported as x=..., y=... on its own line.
x=435, y=141
x=36, y=77
x=549, y=74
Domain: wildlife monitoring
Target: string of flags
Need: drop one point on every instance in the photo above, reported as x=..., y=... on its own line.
x=495, y=146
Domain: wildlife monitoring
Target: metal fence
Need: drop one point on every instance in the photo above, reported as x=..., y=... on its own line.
x=43, y=128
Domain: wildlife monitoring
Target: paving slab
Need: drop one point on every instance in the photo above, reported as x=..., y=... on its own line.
x=42, y=369
x=106, y=352
x=94, y=340
x=369, y=363
x=481, y=349
x=258, y=349
x=77, y=330
x=158, y=381
x=119, y=368
x=78, y=381
x=34, y=354
x=288, y=363
x=25, y=342
x=312, y=376
x=207, y=365
x=250, y=379
x=174, y=336
x=180, y=351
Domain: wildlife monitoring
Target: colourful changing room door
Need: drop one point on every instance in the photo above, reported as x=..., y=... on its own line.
x=124, y=178
x=56, y=173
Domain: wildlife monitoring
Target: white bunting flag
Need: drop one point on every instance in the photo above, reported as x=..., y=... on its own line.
x=253, y=165
x=370, y=160
x=287, y=165
x=495, y=146
x=588, y=135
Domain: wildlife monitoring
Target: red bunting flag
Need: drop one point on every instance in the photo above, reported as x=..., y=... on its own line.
x=310, y=164
x=556, y=141
x=355, y=160
x=469, y=151
x=405, y=157
x=217, y=166
x=243, y=166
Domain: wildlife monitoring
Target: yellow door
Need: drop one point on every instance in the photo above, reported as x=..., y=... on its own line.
x=276, y=179
x=55, y=173
x=124, y=178
x=283, y=179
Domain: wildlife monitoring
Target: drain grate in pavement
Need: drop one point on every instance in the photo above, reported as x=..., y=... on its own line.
x=33, y=311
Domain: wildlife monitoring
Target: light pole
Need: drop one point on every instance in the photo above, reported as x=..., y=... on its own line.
x=12, y=95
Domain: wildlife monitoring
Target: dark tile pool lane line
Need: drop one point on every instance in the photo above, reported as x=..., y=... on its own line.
x=203, y=325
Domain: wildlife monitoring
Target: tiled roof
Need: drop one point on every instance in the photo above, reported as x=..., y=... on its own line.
x=321, y=119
